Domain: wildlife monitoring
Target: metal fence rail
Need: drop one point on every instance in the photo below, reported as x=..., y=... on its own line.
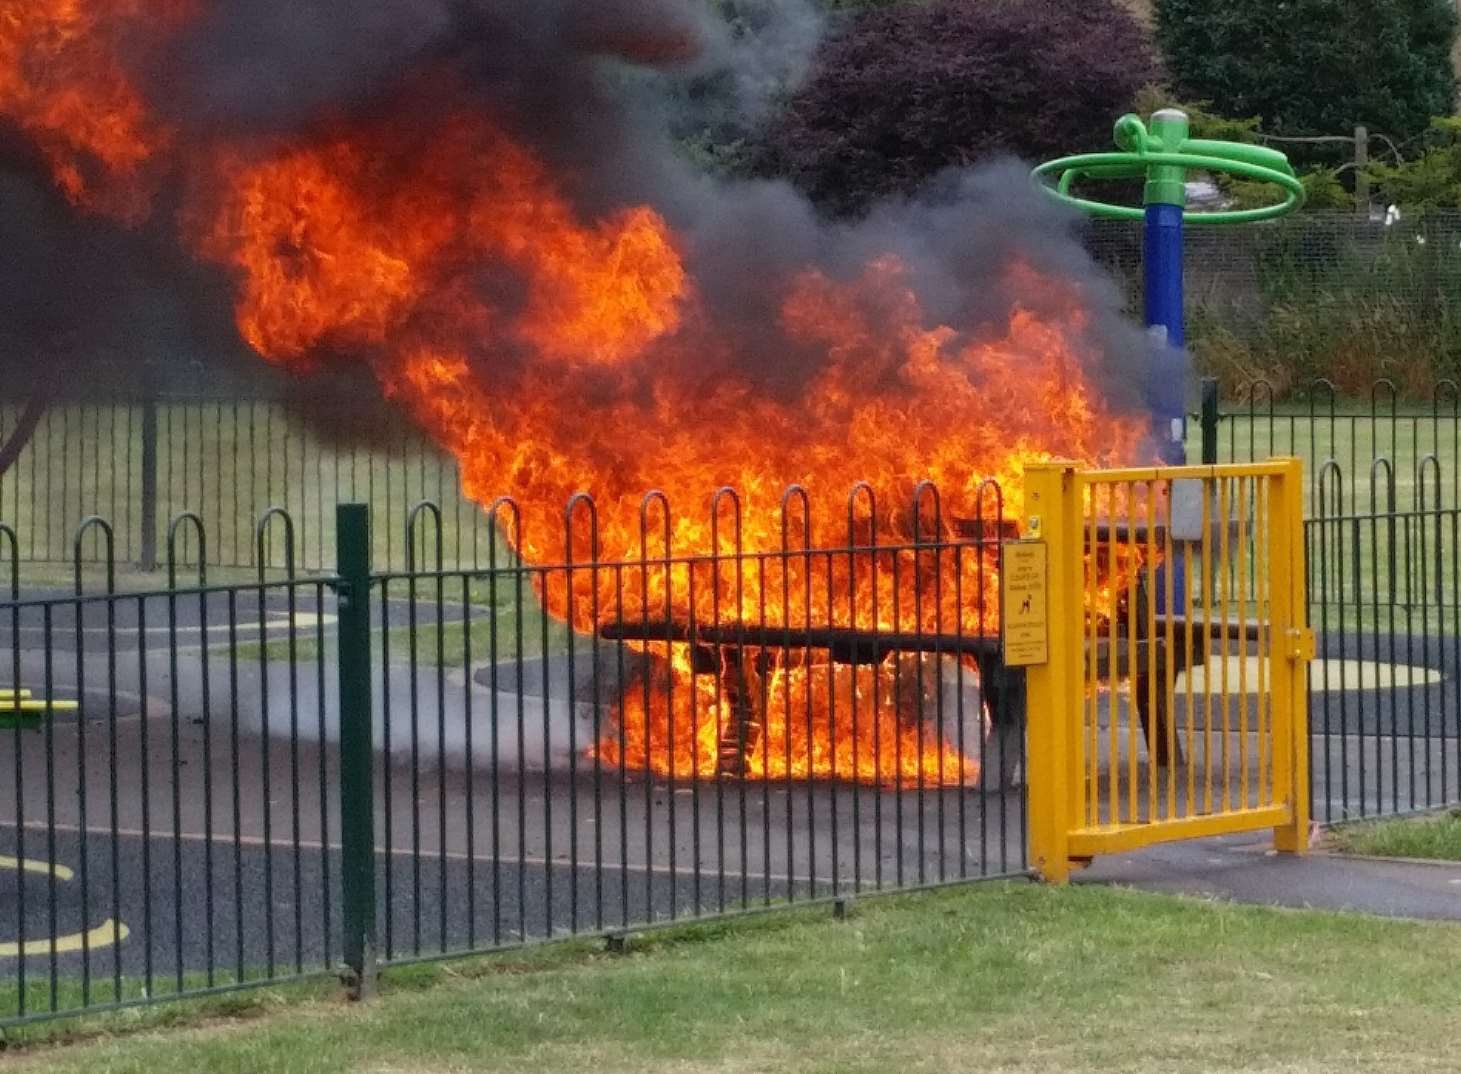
x=720, y=732
x=140, y=463
x=1380, y=443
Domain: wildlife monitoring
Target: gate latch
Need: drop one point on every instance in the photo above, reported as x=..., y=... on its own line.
x=1299, y=644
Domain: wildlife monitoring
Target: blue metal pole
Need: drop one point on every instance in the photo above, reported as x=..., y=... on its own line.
x=1162, y=255
x=1166, y=198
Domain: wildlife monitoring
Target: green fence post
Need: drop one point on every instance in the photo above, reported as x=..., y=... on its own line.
x=148, y=559
x=357, y=748
x=1209, y=421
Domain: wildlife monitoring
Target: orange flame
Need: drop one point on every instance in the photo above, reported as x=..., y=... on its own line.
x=551, y=353
x=62, y=81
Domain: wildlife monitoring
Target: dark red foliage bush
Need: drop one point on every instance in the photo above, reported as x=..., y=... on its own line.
x=910, y=90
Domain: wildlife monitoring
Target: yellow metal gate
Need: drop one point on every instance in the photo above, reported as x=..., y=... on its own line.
x=1171, y=701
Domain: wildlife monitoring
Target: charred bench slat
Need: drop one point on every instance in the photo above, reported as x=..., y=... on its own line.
x=716, y=648
x=847, y=645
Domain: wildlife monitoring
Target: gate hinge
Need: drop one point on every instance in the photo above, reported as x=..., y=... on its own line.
x=1300, y=644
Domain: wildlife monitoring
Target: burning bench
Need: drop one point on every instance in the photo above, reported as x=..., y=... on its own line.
x=734, y=651
x=1150, y=647
x=729, y=651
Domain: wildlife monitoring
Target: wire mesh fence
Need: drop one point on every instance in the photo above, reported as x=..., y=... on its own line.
x=1337, y=296
x=1235, y=276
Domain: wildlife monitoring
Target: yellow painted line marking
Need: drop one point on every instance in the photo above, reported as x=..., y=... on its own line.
x=9, y=692
x=104, y=935
x=29, y=865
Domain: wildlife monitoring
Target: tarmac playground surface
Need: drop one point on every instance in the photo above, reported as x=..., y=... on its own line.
x=110, y=866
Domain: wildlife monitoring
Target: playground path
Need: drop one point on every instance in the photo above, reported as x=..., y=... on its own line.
x=1239, y=868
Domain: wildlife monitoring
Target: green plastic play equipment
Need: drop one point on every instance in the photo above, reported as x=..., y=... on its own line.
x=1164, y=155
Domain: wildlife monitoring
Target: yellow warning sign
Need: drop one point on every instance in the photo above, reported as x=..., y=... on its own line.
x=1024, y=618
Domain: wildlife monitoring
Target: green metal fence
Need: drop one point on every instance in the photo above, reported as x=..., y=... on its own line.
x=213, y=786
x=155, y=842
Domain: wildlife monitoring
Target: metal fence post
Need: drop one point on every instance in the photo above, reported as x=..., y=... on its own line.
x=1209, y=421
x=1052, y=510
x=1295, y=642
x=1362, y=172
x=148, y=559
x=357, y=748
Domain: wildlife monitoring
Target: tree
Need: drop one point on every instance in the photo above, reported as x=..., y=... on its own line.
x=1323, y=189
x=1432, y=180
x=1309, y=67
x=910, y=90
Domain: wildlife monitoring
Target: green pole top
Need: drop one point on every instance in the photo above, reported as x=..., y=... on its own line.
x=1166, y=184
x=1164, y=155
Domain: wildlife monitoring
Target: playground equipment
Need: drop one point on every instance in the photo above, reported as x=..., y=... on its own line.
x=19, y=709
x=1164, y=155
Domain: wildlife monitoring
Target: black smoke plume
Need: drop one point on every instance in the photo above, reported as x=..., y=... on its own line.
x=595, y=89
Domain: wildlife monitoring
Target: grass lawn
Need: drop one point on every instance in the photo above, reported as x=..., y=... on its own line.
x=448, y=644
x=1435, y=836
x=1002, y=977
x=1354, y=440
x=229, y=462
